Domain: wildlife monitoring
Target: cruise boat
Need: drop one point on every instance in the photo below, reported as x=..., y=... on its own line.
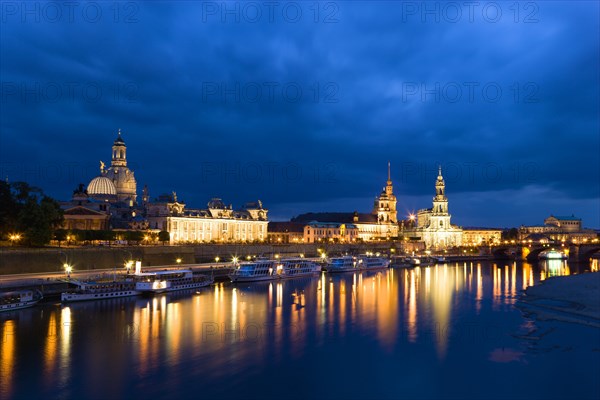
x=18, y=299
x=258, y=270
x=100, y=290
x=170, y=280
x=552, y=255
x=341, y=264
x=266, y=269
x=400, y=262
x=296, y=267
x=369, y=262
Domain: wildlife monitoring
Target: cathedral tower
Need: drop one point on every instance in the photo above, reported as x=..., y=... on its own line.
x=439, y=213
x=385, y=203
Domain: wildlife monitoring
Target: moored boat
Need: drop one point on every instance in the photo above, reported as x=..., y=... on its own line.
x=369, y=262
x=401, y=262
x=171, y=280
x=100, y=290
x=341, y=264
x=258, y=270
x=18, y=299
x=297, y=267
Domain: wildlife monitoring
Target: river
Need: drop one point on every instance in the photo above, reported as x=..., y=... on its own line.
x=448, y=331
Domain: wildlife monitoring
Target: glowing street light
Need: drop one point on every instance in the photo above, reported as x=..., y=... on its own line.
x=217, y=258
x=128, y=266
x=323, y=255
x=234, y=260
x=68, y=269
x=14, y=237
x=178, y=260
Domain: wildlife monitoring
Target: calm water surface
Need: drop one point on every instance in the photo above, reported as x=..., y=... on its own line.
x=448, y=331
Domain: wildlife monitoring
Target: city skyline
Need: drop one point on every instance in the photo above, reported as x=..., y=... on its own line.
x=305, y=125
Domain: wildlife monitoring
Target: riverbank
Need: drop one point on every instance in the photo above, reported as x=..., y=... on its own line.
x=574, y=298
x=45, y=260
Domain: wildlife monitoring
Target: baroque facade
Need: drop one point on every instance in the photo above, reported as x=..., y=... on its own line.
x=216, y=223
x=433, y=225
x=479, y=236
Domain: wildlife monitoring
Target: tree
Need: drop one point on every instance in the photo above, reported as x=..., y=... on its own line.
x=30, y=212
x=60, y=235
x=164, y=236
x=8, y=221
x=512, y=233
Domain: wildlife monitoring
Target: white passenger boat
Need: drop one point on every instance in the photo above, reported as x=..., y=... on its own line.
x=18, y=299
x=369, y=262
x=342, y=264
x=258, y=270
x=552, y=255
x=266, y=270
x=297, y=267
x=100, y=290
x=170, y=280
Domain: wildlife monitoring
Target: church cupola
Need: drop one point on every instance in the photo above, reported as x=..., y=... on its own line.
x=119, y=152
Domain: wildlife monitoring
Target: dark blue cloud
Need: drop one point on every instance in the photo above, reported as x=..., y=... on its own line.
x=305, y=115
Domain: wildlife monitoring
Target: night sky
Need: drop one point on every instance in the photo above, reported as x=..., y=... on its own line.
x=302, y=104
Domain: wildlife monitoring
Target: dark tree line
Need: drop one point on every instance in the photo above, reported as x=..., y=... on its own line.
x=26, y=210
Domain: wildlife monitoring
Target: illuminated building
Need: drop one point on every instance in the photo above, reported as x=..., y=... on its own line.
x=560, y=228
x=117, y=182
x=218, y=222
x=479, y=236
x=285, y=232
x=433, y=224
x=315, y=232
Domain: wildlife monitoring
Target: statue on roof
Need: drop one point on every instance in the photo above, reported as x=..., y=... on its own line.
x=102, y=165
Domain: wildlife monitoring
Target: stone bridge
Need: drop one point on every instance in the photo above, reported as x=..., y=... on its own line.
x=577, y=252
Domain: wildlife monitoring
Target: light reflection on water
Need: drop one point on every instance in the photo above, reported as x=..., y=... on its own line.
x=231, y=335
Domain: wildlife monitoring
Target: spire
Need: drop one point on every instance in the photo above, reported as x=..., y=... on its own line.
x=440, y=170
x=119, y=140
x=389, y=174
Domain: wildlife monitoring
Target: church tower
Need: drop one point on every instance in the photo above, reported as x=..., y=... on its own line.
x=385, y=203
x=439, y=213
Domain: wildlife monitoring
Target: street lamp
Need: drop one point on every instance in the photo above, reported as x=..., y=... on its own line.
x=178, y=260
x=128, y=266
x=68, y=268
x=234, y=260
x=217, y=259
x=14, y=237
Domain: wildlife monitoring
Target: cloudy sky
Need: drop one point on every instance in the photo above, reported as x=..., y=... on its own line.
x=302, y=104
